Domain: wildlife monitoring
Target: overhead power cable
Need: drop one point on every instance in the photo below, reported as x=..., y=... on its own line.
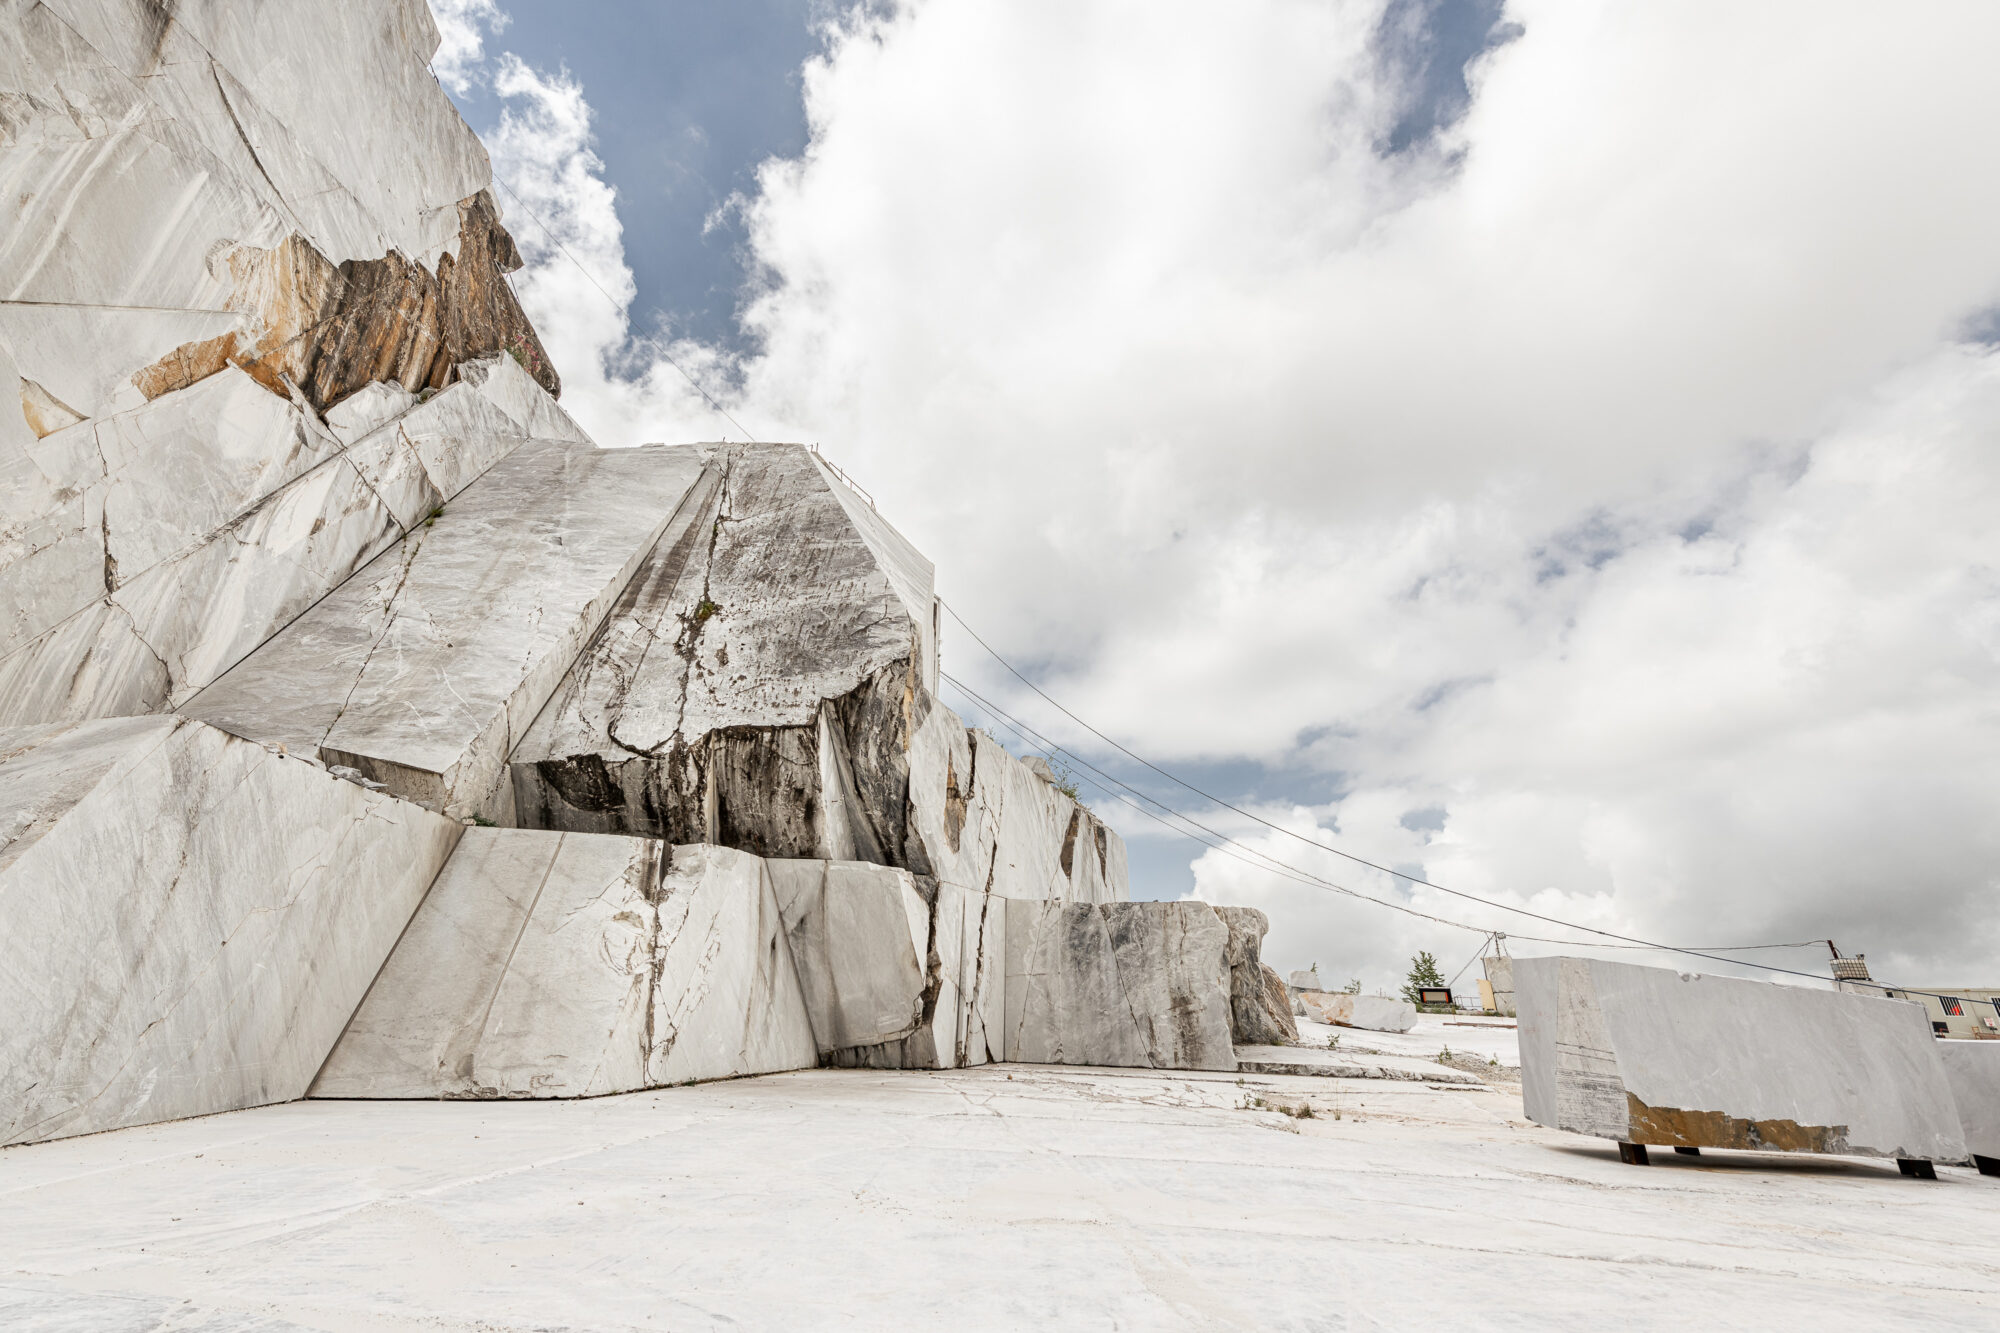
x=1709, y=953
x=1234, y=848
x=659, y=348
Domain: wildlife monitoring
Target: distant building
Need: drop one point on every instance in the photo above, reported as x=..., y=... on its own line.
x=1954, y=1011
x=1957, y=1011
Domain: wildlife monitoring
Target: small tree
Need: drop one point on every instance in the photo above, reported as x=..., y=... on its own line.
x=1423, y=972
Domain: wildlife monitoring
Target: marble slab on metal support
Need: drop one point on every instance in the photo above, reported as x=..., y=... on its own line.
x=574, y=965
x=423, y=670
x=1972, y=1068
x=1143, y=985
x=187, y=920
x=1646, y=1055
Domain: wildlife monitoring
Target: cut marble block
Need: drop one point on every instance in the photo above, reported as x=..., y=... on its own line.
x=423, y=670
x=1650, y=1056
x=153, y=631
x=860, y=938
x=1133, y=984
x=1972, y=1068
x=1378, y=1013
x=752, y=678
x=573, y=965
x=187, y=920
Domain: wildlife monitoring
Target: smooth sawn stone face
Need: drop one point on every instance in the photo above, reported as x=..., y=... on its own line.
x=187, y=920
x=574, y=965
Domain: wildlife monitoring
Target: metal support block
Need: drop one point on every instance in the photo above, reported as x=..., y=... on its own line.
x=1916, y=1168
x=1632, y=1154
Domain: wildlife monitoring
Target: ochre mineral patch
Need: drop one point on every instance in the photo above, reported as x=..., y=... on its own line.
x=331, y=330
x=1670, y=1125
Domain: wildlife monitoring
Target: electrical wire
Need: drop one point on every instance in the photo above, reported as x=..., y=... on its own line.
x=1708, y=953
x=1625, y=941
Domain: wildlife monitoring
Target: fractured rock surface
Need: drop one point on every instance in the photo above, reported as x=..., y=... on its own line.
x=187, y=920
x=1647, y=1055
x=754, y=658
x=573, y=965
x=144, y=554
x=1260, y=1013
x=422, y=670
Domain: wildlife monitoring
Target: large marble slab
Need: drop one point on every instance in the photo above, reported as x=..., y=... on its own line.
x=573, y=965
x=423, y=671
x=1646, y=1055
x=1378, y=1013
x=1972, y=1068
x=187, y=920
x=1134, y=984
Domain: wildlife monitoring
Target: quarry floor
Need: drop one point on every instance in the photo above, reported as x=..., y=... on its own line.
x=1005, y=1197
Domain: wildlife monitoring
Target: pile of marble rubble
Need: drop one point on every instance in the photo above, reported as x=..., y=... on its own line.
x=366, y=730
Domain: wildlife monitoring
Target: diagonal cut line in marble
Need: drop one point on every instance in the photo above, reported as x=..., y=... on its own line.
x=575, y=965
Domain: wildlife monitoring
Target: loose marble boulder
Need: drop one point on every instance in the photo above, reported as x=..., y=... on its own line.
x=421, y=671
x=573, y=965
x=187, y=920
x=1142, y=985
x=1646, y=1055
x=1378, y=1013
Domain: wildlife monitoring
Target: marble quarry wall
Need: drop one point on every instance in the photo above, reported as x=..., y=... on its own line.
x=1647, y=1055
x=367, y=730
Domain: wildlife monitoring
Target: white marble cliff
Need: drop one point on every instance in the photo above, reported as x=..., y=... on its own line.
x=368, y=730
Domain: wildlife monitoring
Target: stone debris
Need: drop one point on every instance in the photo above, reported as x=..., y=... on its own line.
x=1646, y=1055
x=187, y=920
x=306, y=580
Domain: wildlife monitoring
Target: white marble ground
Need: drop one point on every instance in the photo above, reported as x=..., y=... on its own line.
x=1001, y=1197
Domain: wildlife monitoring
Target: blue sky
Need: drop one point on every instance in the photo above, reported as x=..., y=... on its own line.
x=1546, y=448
